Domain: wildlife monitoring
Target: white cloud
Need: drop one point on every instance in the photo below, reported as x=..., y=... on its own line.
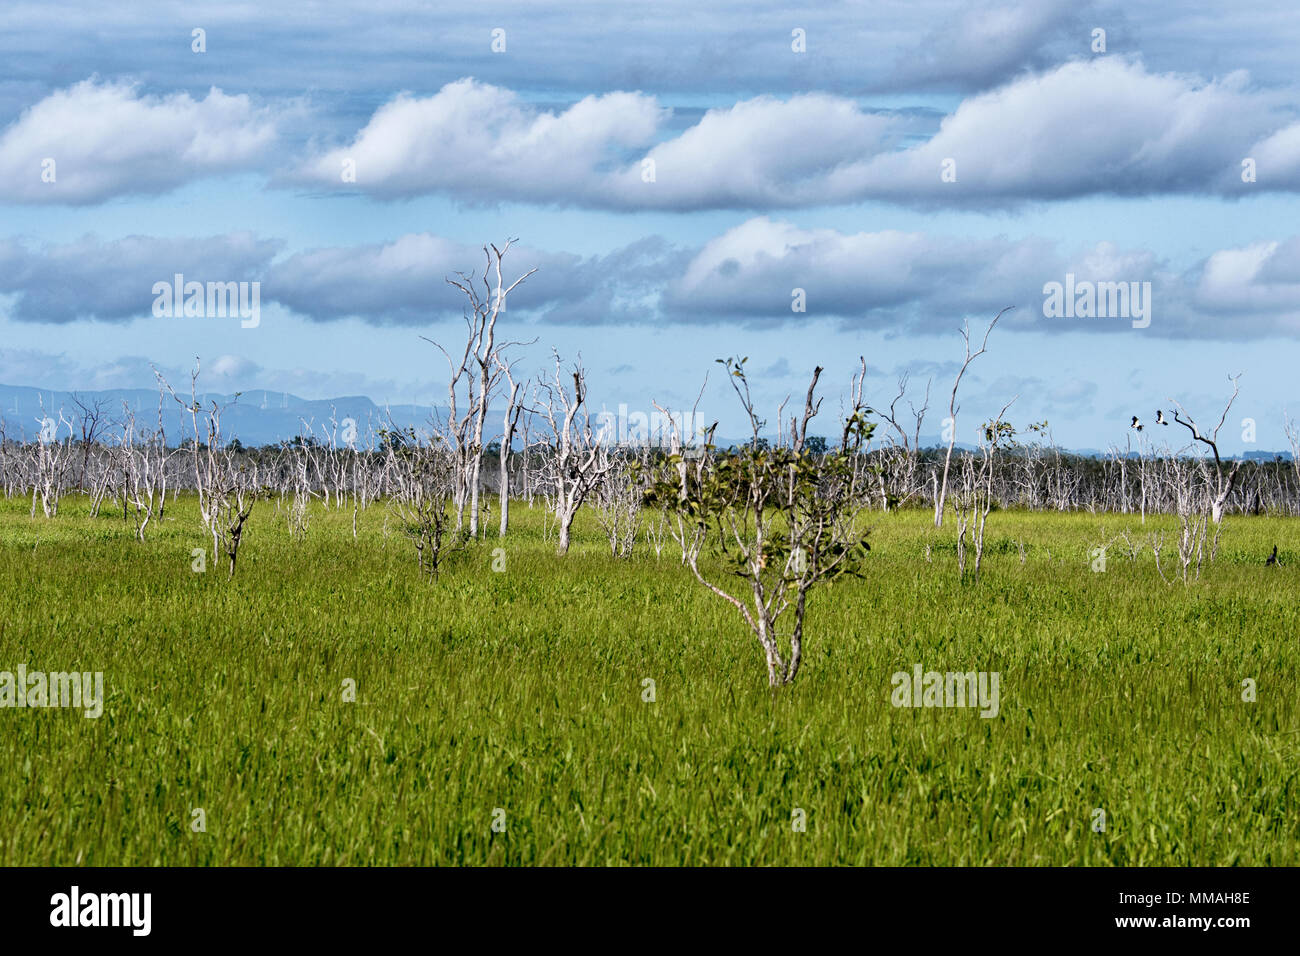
x=760, y=152
x=1259, y=282
x=404, y=280
x=888, y=280
x=1099, y=126
x=113, y=280
x=880, y=279
x=1086, y=127
x=920, y=282
x=982, y=43
x=107, y=139
x=1277, y=159
x=483, y=143
x=1103, y=126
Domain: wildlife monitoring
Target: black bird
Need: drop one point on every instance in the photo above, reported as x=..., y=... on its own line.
x=1272, y=558
x=1160, y=417
x=1136, y=425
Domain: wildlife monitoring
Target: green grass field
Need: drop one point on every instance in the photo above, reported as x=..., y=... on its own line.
x=522, y=691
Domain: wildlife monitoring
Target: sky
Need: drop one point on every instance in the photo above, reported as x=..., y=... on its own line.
x=683, y=177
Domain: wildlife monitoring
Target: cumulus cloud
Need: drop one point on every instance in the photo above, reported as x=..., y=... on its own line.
x=919, y=283
x=401, y=280
x=1254, y=286
x=1086, y=127
x=760, y=152
x=1103, y=126
x=481, y=143
x=669, y=46
x=983, y=44
x=107, y=139
x=228, y=368
x=1277, y=159
x=877, y=279
x=484, y=143
x=113, y=280
x=898, y=283
x=404, y=281
x=889, y=281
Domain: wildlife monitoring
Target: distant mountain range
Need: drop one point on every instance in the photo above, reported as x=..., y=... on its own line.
x=263, y=417
x=255, y=418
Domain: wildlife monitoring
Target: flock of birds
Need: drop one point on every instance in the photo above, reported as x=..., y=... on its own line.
x=1160, y=420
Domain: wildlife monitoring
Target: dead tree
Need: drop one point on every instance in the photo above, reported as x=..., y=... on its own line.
x=510, y=423
x=1189, y=498
x=900, y=454
x=53, y=462
x=690, y=455
x=1222, y=483
x=975, y=497
x=423, y=476
x=478, y=371
x=145, y=456
x=1293, y=439
x=576, y=460
x=953, y=408
x=618, y=499
x=92, y=423
x=226, y=482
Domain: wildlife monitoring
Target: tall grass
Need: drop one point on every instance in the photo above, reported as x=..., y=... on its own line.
x=523, y=691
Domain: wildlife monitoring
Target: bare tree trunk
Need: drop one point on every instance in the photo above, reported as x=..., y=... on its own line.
x=953, y=408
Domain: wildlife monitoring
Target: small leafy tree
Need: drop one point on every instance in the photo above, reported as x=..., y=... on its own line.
x=787, y=521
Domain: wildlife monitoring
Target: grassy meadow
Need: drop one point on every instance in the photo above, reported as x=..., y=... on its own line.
x=522, y=691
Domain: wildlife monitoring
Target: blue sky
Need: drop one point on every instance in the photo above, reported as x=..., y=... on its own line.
x=774, y=170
